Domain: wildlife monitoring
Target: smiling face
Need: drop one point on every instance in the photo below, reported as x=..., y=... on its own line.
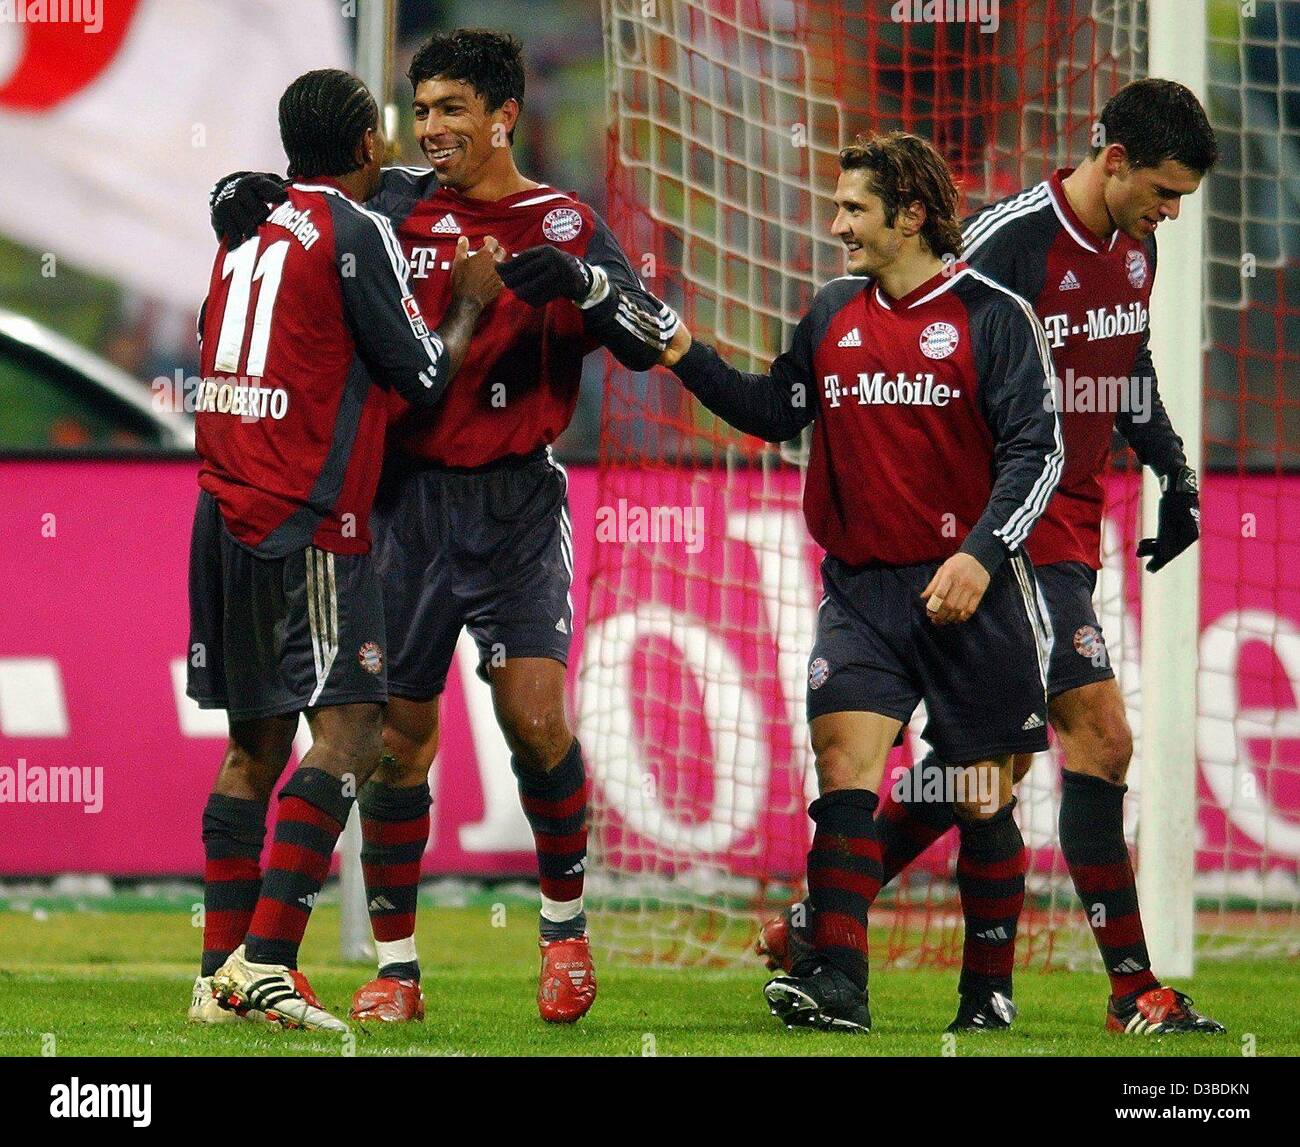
x=457, y=133
x=1139, y=199
x=871, y=244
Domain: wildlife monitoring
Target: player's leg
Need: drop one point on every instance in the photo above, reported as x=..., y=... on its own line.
x=234, y=830
x=991, y=865
x=314, y=635
x=395, y=832
x=1093, y=730
x=415, y=562
x=861, y=690
x=528, y=695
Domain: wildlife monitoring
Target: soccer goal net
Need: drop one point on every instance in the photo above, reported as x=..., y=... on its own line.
x=726, y=117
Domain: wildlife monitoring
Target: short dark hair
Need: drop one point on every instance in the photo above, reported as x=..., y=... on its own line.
x=904, y=168
x=323, y=115
x=492, y=63
x=1157, y=120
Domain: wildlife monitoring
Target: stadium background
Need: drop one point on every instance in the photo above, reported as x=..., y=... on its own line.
x=92, y=620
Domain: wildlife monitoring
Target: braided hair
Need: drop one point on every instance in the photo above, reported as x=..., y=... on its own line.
x=323, y=116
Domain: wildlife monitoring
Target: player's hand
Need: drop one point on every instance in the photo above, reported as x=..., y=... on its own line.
x=240, y=204
x=1179, y=521
x=676, y=349
x=474, y=277
x=956, y=589
x=543, y=274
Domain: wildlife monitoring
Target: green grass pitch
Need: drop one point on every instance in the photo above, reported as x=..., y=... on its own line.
x=117, y=983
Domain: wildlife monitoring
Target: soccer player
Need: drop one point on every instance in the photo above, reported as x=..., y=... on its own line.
x=306, y=327
x=933, y=454
x=472, y=523
x=1081, y=245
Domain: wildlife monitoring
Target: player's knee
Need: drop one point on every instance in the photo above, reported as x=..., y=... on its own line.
x=407, y=754
x=539, y=738
x=839, y=767
x=1110, y=751
x=247, y=776
x=349, y=746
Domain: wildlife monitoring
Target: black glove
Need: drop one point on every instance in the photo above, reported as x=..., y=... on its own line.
x=541, y=274
x=1179, y=521
x=240, y=204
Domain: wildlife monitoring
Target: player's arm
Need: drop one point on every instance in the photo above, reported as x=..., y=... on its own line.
x=1151, y=434
x=391, y=334
x=773, y=406
x=1017, y=398
x=618, y=312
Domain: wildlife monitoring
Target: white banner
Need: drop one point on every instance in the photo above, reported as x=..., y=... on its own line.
x=116, y=116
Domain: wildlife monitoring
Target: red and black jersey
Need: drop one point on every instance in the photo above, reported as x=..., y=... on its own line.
x=1093, y=297
x=518, y=386
x=298, y=325
x=933, y=425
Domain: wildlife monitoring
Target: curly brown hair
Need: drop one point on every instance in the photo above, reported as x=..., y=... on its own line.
x=903, y=169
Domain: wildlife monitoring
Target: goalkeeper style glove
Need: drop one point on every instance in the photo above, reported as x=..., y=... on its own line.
x=542, y=274
x=240, y=204
x=1179, y=519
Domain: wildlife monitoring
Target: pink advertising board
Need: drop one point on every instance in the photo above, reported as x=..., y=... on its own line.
x=93, y=627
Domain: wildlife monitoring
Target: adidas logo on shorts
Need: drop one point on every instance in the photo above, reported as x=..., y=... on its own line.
x=1033, y=721
x=447, y=225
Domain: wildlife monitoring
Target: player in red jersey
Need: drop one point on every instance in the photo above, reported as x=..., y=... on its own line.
x=472, y=524
x=1081, y=246
x=933, y=454
x=307, y=328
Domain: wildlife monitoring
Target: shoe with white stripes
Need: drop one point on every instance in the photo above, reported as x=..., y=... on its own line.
x=983, y=1012
x=283, y=994
x=1158, y=1011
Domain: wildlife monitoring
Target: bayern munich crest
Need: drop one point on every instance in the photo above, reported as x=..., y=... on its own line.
x=1135, y=263
x=562, y=224
x=371, y=658
x=939, y=340
x=1088, y=642
x=819, y=672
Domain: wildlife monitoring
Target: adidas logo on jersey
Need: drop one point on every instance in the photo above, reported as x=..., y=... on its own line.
x=1070, y=282
x=1033, y=721
x=447, y=225
x=853, y=338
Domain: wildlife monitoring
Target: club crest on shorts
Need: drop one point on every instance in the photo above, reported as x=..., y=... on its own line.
x=1088, y=642
x=819, y=672
x=1135, y=263
x=939, y=340
x=371, y=658
x=562, y=224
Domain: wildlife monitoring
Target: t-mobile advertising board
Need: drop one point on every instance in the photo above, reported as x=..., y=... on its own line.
x=105, y=764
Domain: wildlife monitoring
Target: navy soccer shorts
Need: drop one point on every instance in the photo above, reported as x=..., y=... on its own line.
x=1077, y=653
x=982, y=680
x=490, y=551
x=274, y=636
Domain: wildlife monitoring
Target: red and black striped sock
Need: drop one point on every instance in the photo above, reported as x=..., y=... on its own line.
x=1092, y=841
x=991, y=865
x=313, y=810
x=394, y=834
x=843, y=879
x=555, y=804
x=233, y=831
x=918, y=815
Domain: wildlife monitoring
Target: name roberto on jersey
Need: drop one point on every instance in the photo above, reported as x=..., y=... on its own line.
x=1100, y=323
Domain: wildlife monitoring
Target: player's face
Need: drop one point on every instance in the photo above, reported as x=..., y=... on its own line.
x=870, y=243
x=1140, y=199
x=456, y=132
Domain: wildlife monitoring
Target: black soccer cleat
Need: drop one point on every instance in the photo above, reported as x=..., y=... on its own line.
x=825, y=999
x=983, y=1012
x=1158, y=1011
